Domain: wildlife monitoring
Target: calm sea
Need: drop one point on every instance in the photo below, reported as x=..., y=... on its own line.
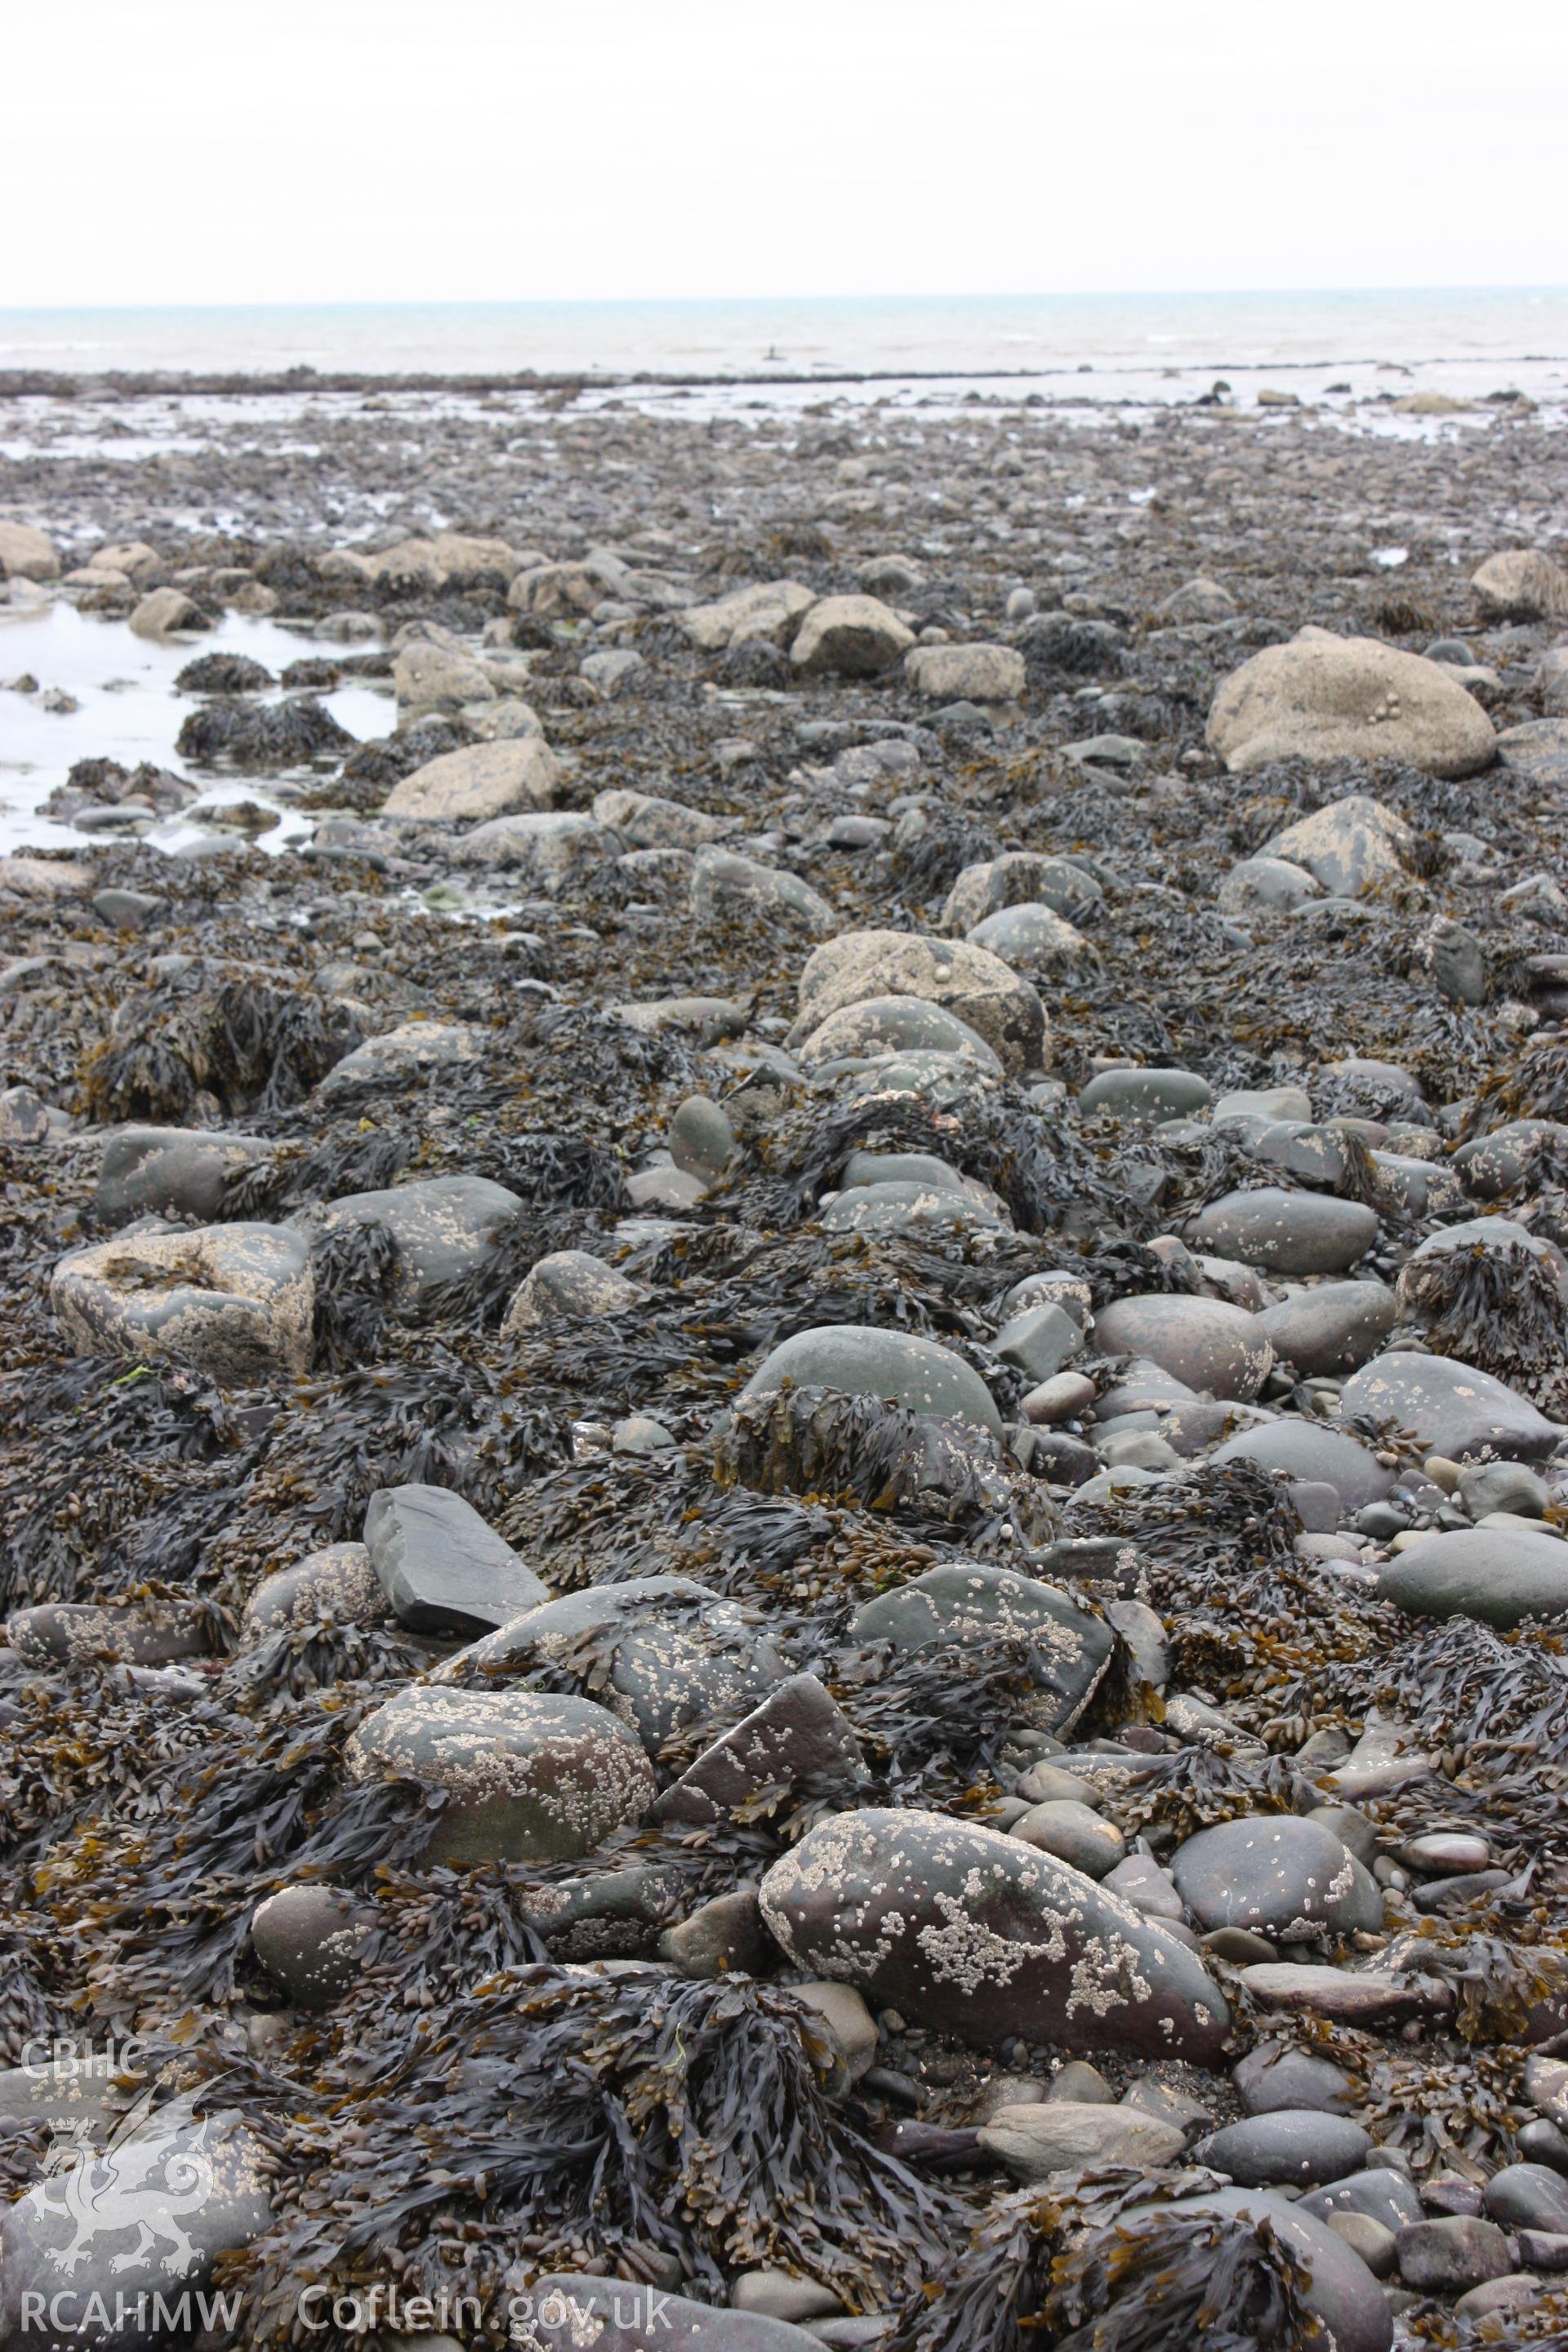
x=1464, y=333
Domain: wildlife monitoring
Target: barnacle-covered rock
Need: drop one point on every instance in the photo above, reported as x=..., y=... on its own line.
x=528, y=1776
x=979, y=1935
x=236, y=1299
x=662, y=1652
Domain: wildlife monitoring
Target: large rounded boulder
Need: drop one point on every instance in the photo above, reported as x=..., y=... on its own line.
x=527, y=1776
x=862, y=1360
x=982, y=1935
x=1327, y=697
x=1453, y=1408
x=1497, y=1574
x=1206, y=1342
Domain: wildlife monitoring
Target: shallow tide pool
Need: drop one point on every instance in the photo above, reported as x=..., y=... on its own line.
x=130, y=710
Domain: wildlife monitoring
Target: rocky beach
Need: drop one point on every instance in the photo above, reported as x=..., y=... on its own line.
x=784, y=1537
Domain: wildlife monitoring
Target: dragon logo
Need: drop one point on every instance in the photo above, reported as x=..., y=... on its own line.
x=144, y=2188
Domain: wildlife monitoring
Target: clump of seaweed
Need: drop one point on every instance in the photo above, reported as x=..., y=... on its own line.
x=545, y=2118
x=256, y=1044
x=1496, y=1304
x=1109, y=2261
x=262, y=734
x=815, y=1441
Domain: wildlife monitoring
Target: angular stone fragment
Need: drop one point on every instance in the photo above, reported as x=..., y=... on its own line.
x=442, y=1568
x=799, y=1733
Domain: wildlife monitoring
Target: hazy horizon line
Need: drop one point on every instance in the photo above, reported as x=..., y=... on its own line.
x=656, y=301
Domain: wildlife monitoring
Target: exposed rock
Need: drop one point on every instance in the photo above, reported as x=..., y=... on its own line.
x=442, y=1568
x=1499, y=1575
x=237, y=1299
x=1351, y=846
x=853, y=636
x=165, y=611
x=569, y=1285
x=1520, y=584
x=1332, y=1327
x=1287, y=2147
x=443, y=1227
x=546, y=847
x=917, y=1373
x=1289, y=1878
x=724, y=884
x=1020, y=877
x=162, y=2204
x=797, y=1735
x=528, y=1777
x=170, y=1171
x=1146, y=1094
x=965, y=673
x=1327, y=697
x=312, y=1940
x=967, y=980
x=1454, y=1409
x=1285, y=1233
x=1063, y=2135
x=660, y=1651
x=27, y=554
x=1205, y=1342
x=488, y=780
x=772, y=612
x=972, y=1931
x=964, y=1598
x=337, y=1582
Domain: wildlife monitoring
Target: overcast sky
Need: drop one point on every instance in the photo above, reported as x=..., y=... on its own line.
x=245, y=150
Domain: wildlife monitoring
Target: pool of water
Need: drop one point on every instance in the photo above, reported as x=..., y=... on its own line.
x=130, y=710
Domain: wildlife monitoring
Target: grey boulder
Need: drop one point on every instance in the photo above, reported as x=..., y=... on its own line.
x=863, y=1361
x=660, y=1651
x=1278, y=1875
x=1064, y=2135
x=337, y=1582
x=1288, y=2147
x=569, y=1285
x=237, y=1300
x=312, y=1940
x=724, y=884
x=170, y=1171
x=969, y=980
x=1453, y=1408
x=1285, y=1231
x=445, y=1227
x=1149, y=1095
x=1332, y=1327
x=1326, y=697
x=1305, y=1451
x=151, y=2214
x=1342, y=2293
x=1499, y=1575
x=964, y=1599
x=576, y=2312
x=527, y=1776
x=1205, y=1342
